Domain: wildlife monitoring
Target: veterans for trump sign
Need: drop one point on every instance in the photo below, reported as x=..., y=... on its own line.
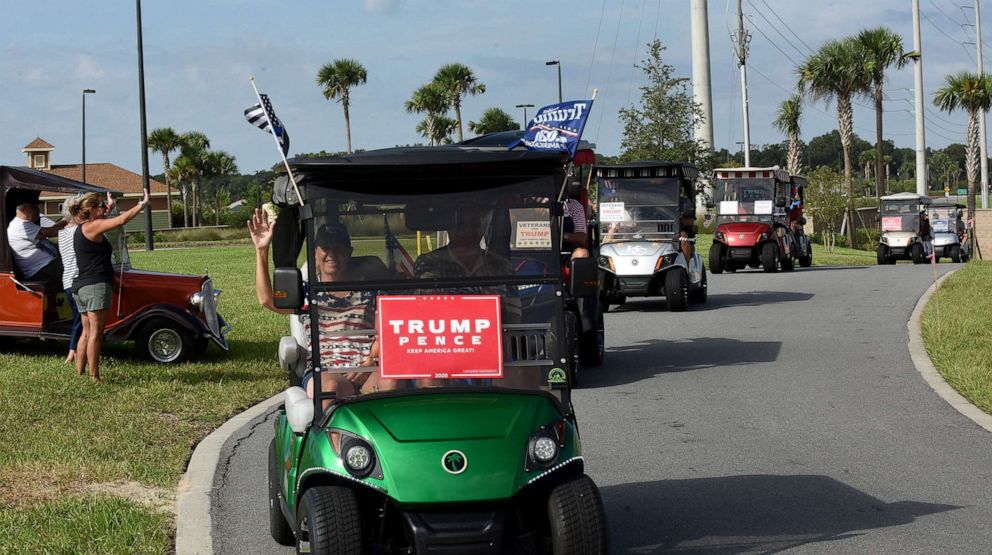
x=440, y=336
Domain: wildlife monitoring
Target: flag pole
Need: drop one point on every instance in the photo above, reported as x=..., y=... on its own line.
x=272, y=132
x=571, y=163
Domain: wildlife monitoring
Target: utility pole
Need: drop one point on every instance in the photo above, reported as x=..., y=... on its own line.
x=701, y=91
x=983, y=138
x=742, y=39
x=149, y=242
x=921, y=144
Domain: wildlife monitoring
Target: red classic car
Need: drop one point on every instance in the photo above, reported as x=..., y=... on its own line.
x=170, y=317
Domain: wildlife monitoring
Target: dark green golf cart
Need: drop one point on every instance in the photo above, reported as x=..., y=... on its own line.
x=466, y=441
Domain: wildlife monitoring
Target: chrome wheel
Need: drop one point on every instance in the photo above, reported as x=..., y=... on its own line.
x=165, y=345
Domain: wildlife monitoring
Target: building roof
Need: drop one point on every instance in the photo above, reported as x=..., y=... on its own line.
x=38, y=144
x=108, y=176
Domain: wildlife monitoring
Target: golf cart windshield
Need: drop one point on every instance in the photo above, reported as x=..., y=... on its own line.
x=944, y=219
x=458, y=289
x=744, y=200
x=639, y=209
x=900, y=215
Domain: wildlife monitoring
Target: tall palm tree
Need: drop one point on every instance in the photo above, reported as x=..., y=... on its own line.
x=338, y=78
x=493, y=120
x=184, y=171
x=834, y=72
x=973, y=93
x=165, y=140
x=437, y=130
x=218, y=164
x=194, y=148
x=433, y=100
x=865, y=160
x=790, y=113
x=880, y=49
x=458, y=80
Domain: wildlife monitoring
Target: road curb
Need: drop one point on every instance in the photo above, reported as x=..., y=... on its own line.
x=193, y=522
x=921, y=359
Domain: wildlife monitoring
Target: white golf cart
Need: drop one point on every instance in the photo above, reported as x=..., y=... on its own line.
x=945, y=221
x=900, y=239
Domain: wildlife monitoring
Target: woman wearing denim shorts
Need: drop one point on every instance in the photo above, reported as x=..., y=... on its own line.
x=93, y=286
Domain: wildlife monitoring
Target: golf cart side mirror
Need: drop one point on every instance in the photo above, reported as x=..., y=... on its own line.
x=583, y=277
x=287, y=288
x=781, y=202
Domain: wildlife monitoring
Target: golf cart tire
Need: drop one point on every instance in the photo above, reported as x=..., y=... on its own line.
x=882, y=255
x=279, y=528
x=916, y=253
x=769, y=257
x=806, y=260
x=165, y=342
x=329, y=520
x=677, y=289
x=698, y=296
x=593, y=345
x=716, y=258
x=955, y=254
x=788, y=264
x=577, y=518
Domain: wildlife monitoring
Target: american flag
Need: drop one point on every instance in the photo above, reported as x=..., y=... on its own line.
x=264, y=117
x=399, y=259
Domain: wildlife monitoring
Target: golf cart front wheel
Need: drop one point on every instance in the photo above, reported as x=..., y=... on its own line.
x=716, y=257
x=955, y=254
x=677, y=289
x=769, y=257
x=577, y=518
x=328, y=522
x=916, y=253
x=278, y=527
x=882, y=255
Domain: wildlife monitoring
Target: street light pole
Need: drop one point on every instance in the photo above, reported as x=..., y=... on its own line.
x=556, y=63
x=149, y=244
x=85, y=92
x=525, y=106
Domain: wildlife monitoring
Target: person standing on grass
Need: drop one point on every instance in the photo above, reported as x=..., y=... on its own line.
x=69, y=272
x=93, y=285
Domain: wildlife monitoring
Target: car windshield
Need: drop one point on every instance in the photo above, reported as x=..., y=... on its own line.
x=638, y=209
x=744, y=200
x=457, y=289
x=900, y=216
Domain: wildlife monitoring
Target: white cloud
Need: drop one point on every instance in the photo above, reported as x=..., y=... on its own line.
x=381, y=6
x=87, y=68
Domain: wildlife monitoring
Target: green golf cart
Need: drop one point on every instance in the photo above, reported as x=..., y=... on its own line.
x=441, y=419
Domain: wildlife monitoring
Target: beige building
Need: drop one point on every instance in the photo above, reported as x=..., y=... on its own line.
x=102, y=174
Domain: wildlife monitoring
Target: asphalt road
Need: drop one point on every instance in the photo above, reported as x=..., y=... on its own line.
x=783, y=415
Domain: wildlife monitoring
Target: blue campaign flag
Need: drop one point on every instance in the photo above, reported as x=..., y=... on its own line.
x=556, y=128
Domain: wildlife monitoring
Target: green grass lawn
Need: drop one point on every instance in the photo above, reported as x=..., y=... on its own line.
x=69, y=443
x=957, y=333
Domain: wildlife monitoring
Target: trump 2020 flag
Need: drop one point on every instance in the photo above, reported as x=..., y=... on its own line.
x=264, y=117
x=399, y=260
x=556, y=128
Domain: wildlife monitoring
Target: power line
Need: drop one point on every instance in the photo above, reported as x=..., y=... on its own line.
x=954, y=40
x=772, y=25
x=756, y=26
x=786, y=25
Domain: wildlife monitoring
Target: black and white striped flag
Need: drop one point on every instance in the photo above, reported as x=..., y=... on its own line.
x=264, y=117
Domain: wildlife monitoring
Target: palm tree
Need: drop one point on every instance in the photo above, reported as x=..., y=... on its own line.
x=973, y=93
x=218, y=164
x=194, y=148
x=458, y=80
x=493, y=120
x=338, y=78
x=865, y=160
x=835, y=72
x=433, y=100
x=164, y=140
x=183, y=172
x=880, y=49
x=790, y=112
x=437, y=130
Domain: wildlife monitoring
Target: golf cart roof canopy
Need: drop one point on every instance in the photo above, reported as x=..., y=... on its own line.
x=753, y=173
x=649, y=168
x=946, y=203
x=912, y=197
x=799, y=180
x=410, y=170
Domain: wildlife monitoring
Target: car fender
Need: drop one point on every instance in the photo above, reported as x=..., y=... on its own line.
x=127, y=329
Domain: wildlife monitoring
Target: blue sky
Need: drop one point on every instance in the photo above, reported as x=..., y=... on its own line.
x=199, y=54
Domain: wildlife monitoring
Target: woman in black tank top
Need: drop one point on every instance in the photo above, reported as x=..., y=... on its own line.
x=92, y=287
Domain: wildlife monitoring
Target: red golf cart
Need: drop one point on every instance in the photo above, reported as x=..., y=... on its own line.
x=170, y=317
x=752, y=220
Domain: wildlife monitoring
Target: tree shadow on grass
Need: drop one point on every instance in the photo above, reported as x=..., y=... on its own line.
x=750, y=513
x=647, y=359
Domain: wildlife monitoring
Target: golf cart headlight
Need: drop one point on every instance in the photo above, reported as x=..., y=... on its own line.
x=606, y=262
x=358, y=457
x=762, y=237
x=719, y=236
x=545, y=449
x=196, y=301
x=884, y=240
